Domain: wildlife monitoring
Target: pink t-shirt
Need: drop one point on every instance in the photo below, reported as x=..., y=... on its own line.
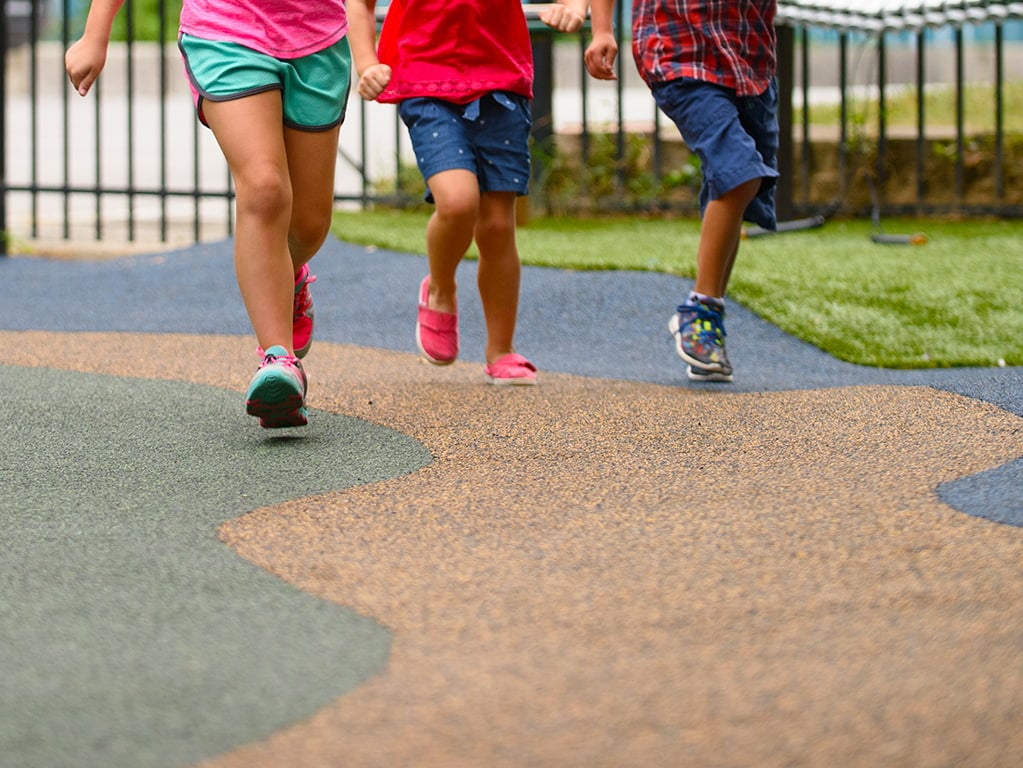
x=284, y=29
x=455, y=50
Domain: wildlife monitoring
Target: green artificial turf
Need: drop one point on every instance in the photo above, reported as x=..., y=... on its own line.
x=955, y=301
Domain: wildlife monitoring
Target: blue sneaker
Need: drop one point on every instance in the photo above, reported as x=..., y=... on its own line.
x=699, y=331
x=277, y=392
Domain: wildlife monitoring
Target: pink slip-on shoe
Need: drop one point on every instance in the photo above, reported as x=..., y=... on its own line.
x=511, y=370
x=436, y=332
x=302, y=319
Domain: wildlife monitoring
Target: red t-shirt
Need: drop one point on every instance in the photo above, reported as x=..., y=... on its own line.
x=455, y=50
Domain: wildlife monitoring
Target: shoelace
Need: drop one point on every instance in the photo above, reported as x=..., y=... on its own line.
x=706, y=314
x=267, y=359
x=302, y=297
x=294, y=362
x=270, y=359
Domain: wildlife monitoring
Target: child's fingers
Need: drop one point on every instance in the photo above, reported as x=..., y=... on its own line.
x=373, y=81
x=561, y=18
x=600, y=61
x=82, y=81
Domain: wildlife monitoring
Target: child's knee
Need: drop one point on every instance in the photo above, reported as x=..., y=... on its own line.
x=457, y=205
x=264, y=193
x=495, y=229
x=307, y=234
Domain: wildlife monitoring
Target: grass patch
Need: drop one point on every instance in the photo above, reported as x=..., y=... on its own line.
x=956, y=301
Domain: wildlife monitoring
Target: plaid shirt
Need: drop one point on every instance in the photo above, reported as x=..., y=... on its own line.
x=727, y=42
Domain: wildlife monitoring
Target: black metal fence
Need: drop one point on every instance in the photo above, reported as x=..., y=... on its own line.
x=878, y=115
x=919, y=96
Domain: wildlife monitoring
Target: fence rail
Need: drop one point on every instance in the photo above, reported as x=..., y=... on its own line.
x=130, y=162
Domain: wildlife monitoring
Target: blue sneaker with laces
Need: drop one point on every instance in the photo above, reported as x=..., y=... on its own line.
x=699, y=330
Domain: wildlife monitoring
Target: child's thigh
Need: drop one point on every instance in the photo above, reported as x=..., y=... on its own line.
x=249, y=132
x=455, y=192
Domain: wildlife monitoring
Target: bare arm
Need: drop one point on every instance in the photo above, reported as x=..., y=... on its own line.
x=85, y=59
x=362, y=36
x=603, y=49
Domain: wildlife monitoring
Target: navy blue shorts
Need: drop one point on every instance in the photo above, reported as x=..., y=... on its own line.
x=735, y=137
x=488, y=137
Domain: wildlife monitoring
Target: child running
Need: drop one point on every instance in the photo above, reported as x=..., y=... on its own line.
x=710, y=65
x=461, y=72
x=271, y=81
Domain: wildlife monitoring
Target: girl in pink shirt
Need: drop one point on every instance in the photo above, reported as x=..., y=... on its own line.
x=461, y=72
x=271, y=80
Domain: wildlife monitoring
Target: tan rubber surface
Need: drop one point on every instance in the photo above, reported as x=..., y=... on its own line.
x=606, y=573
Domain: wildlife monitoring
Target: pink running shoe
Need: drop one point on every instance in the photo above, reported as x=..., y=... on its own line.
x=436, y=332
x=302, y=320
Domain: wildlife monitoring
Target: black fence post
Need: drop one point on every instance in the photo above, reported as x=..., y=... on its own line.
x=784, y=202
x=542, y=130
x=543, y=87
x=3, y=131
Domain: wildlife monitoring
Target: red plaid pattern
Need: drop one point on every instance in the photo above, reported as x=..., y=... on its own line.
x=727, y=42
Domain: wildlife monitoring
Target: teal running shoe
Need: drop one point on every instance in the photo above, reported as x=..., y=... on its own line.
x=277, y=392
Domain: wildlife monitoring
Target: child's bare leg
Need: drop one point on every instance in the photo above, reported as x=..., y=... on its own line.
x=499, y=271
x=449, y=233
x=250, y=136
x=311, y=159
x=719, y=238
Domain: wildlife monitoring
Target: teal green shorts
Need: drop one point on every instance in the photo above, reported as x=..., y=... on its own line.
x=314, y=89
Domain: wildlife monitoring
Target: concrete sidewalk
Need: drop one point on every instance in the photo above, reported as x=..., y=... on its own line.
x=817, y=565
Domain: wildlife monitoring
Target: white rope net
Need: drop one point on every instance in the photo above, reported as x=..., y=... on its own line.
x=878, y=16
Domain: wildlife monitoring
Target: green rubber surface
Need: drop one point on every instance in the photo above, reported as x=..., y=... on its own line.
x=130, y=634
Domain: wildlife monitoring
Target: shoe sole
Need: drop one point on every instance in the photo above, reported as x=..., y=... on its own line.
x=276, y=403
x=689, y=359
x=696, y=373
x=298, y=418
x=511, y=382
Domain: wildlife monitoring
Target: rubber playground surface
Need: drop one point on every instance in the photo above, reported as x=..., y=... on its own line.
x=817, y=565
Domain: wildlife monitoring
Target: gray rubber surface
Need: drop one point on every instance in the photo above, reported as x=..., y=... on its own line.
x=119, y=603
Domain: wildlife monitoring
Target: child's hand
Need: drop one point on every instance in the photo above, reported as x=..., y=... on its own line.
x=561, y=18
x=373, y=81
x=84, y=61
x=600, y=56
